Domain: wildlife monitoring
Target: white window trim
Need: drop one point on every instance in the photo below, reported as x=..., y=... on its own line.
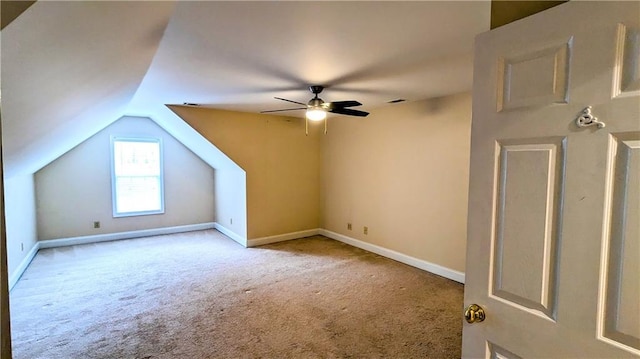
x=113, y=176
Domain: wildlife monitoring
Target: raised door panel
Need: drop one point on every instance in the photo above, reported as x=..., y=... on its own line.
x=537, y=77
x=497, y=352
x=619, y=322
x=627, y=65
x=529, y=185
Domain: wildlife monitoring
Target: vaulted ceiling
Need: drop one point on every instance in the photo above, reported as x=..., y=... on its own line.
x=71, y=68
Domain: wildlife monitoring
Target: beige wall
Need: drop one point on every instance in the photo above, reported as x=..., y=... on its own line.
x=75, y=190
x=231, y=202
x=281, y=163
x=402, y=172
x=230, y=180
x=20, y=218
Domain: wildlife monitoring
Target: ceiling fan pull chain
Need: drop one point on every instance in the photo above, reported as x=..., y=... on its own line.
x=325, y=125
x=306, y=126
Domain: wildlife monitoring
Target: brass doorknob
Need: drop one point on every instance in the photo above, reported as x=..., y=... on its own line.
x=474, y=314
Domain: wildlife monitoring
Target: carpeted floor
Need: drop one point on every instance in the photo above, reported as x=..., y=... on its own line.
x=201, y=295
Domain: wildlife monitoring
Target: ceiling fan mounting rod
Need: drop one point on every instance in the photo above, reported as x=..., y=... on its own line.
x=315, y=102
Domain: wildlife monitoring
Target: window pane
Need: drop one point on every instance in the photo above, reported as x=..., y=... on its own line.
x=138, y=194
x=137, y=158
x=137, y=176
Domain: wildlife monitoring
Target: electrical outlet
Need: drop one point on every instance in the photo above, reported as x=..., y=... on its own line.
x=96, y=224
x=349, y=226
x=366, y=230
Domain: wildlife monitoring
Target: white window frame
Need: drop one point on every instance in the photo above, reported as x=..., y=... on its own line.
x=114, y=196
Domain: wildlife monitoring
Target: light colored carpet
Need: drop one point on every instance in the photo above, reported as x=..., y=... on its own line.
x=201, y=295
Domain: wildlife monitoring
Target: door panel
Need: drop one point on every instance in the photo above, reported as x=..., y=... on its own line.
x=524, y=258
x=497, y=352
x=620, y=321
x=553, y=228
x=627, y=76
x=539, y=76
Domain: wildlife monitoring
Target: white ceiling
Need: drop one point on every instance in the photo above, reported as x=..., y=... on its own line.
x=71, y=68
x=239, y=55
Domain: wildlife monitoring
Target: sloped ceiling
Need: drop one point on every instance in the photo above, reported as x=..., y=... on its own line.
x=68, y=70
x=71, y=68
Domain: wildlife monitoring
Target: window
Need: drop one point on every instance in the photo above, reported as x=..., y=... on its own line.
x=136, y=176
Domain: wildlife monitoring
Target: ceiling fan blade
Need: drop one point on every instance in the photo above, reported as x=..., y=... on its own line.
x=350, y=103
x=284, y=99
x=347, y=111
x=285, y=109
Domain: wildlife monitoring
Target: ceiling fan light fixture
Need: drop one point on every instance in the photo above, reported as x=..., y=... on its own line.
x=316, y=114
x=317, y=109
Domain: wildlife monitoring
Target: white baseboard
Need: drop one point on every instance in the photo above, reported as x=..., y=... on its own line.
x=282, y=237
x=400, y=257
x=17, y=273
x=231, y=234
x=403, y=258
x=62, y=242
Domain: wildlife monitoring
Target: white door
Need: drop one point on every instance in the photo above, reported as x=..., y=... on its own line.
x=553, y=252
x=5, y=329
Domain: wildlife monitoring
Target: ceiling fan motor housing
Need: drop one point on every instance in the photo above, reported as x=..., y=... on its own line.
x=315, y=102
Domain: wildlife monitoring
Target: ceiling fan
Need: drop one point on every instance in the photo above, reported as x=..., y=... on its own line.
x=317, y=109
